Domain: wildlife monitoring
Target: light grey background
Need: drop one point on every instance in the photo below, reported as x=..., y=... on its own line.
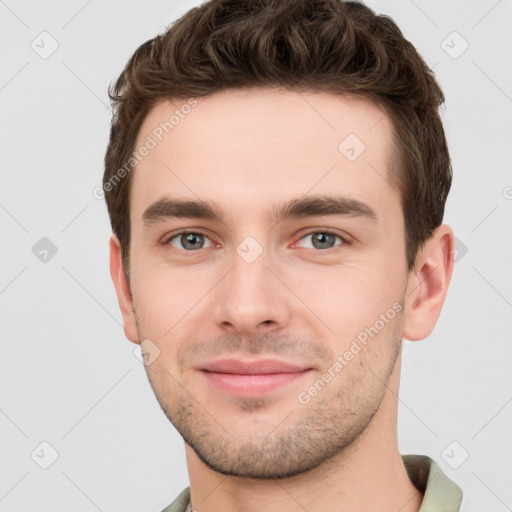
x=68, y=375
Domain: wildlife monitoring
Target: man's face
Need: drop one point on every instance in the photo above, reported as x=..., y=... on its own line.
x=254, y=285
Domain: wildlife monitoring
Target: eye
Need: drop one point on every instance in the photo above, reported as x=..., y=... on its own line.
x=323, y=239
x=189, y=241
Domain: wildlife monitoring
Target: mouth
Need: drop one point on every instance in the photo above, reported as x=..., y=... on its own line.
x=242, y=378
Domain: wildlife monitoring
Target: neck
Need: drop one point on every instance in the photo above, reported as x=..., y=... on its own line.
x=368, y=474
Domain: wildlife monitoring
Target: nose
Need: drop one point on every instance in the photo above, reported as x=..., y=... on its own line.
x=251, y=299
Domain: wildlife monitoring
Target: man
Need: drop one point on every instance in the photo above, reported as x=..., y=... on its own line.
x=276, y=179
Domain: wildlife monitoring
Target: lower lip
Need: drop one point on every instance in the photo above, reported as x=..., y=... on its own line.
x=251, y=385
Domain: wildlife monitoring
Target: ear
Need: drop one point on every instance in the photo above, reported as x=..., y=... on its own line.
x=124, y=295
x=428, y=284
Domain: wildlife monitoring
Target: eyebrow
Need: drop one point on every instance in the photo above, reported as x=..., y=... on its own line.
x=309, y=206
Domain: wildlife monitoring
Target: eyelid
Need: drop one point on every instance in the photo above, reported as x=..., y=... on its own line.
x=346, y=240
x=168, y=237
x=331, y=231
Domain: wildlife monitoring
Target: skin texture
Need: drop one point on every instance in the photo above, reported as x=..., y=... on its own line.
x=248, y=152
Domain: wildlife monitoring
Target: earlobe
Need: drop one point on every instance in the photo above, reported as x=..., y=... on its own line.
x=428, y=285
x=124, y=295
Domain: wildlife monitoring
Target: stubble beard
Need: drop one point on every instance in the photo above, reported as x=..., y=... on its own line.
x=301, y=438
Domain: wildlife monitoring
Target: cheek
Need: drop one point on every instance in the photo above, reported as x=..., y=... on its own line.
x=350, y=300
x=168, y=299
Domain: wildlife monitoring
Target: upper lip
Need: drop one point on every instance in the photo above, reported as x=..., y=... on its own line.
x=260, y=367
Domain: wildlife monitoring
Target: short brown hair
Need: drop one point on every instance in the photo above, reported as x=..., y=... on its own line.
x=333, y=46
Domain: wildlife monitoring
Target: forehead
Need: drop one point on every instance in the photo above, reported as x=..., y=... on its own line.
x=266, y=145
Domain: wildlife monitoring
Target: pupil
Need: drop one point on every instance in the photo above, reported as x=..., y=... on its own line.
x=320, y=240
x=190, y=241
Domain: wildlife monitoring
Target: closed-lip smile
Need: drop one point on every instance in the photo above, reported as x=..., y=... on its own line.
x=251, y=378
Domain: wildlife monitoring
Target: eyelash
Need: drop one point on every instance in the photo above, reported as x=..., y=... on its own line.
x=343, y=239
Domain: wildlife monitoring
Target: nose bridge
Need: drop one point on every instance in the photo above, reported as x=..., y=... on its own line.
x=250, y=297
x=249, y=267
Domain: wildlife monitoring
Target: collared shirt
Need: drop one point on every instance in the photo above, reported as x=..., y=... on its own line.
x=440, y=494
